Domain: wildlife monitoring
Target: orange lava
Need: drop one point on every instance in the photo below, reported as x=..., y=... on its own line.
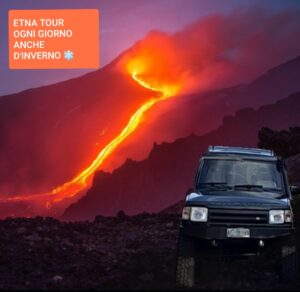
x=80, y=182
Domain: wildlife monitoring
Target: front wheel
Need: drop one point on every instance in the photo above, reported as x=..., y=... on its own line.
x=186, y=261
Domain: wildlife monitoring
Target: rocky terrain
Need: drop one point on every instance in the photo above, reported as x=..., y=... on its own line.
x=123, y=252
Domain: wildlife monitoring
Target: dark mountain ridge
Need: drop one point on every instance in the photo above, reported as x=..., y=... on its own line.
x=163, y=178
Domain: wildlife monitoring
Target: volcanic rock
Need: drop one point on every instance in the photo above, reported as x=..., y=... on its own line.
x=138, y=253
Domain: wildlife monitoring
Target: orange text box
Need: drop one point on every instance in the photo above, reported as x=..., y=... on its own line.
x=53, y=39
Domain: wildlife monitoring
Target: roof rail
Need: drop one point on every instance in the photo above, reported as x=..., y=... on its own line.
x=240, y=150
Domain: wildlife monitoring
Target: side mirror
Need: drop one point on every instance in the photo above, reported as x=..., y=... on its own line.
x=295, y=190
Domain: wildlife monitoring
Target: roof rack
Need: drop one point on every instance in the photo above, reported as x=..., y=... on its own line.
x=240, y=150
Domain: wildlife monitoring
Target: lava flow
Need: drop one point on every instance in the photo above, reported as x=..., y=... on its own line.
x=80, y=182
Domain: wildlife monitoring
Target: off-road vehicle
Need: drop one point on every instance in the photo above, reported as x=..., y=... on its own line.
x=241, y=205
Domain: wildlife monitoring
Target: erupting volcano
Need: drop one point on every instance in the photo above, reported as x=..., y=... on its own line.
x=56, y=137
x=81, y=181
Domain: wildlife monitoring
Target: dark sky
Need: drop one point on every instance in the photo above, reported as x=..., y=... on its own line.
x=122, y=23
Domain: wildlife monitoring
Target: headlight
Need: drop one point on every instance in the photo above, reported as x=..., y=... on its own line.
x=199, y=214
x=280, y=216
x=186, y=213
x=276, y=216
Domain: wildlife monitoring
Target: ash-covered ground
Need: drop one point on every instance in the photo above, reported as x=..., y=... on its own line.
x=122, y=252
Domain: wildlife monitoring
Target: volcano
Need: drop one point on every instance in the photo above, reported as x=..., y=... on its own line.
x=51, y=133
x=166, y=86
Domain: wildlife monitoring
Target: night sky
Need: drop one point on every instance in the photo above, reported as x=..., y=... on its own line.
x=122, y=23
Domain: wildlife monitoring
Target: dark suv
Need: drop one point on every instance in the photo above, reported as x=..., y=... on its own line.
x=241, y=205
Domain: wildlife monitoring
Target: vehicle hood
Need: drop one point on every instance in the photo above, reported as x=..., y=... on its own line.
x=237, y=200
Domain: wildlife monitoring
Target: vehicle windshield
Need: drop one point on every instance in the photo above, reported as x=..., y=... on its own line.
x=241, y=175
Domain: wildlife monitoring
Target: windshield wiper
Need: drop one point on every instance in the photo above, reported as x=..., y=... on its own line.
x=214, y=185
x=249, y=187
x=273, y=190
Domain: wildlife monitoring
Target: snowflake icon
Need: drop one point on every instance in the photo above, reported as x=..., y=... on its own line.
x=68, y=55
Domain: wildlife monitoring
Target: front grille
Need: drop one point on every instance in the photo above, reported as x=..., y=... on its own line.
x=233, y=216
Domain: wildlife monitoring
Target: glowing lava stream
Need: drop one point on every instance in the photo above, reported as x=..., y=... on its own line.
x=78, y=183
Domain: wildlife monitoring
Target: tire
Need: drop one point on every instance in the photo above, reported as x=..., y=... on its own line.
x=186, y=262
x=287, y=263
